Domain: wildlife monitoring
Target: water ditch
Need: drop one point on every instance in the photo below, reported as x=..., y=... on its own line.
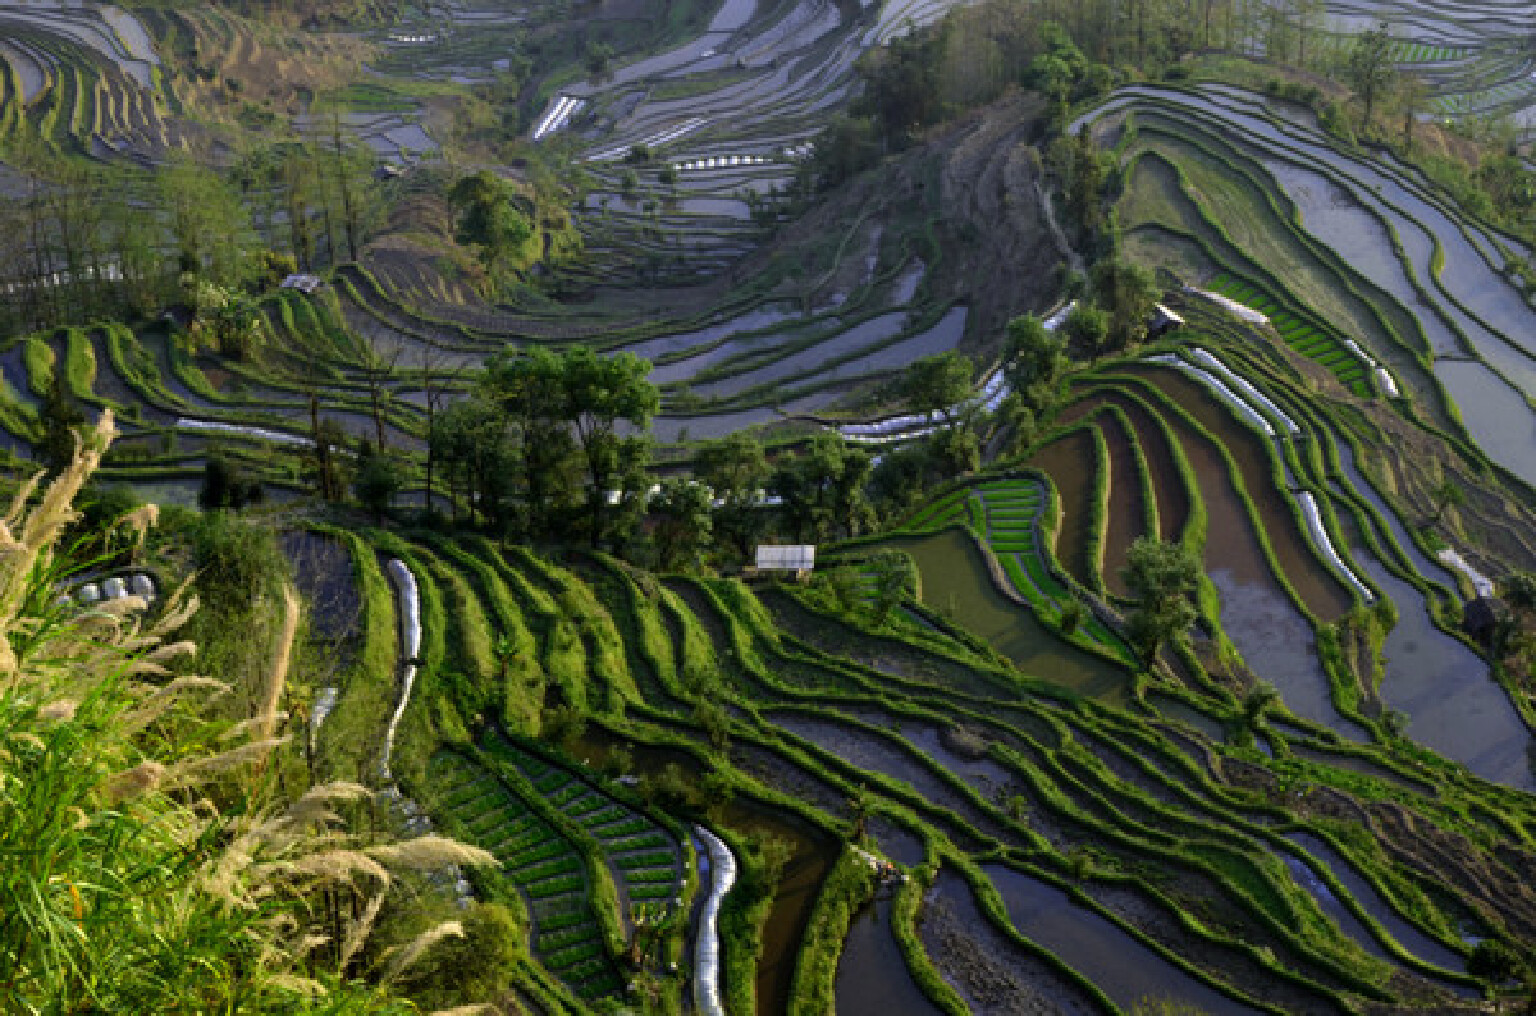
x=1445, y=689
x=1406, y=935
x=811, y=856
x=1114, y=960
x=872, y=973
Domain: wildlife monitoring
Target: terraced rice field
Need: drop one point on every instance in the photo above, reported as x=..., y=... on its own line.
x=545, y=866
x=1342, y=250
x=1054, y=823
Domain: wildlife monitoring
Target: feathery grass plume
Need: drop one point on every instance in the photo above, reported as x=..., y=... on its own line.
x=277, y=677
x=431, y=851
x=119, y=894
x=40, y=528
x=401, y=958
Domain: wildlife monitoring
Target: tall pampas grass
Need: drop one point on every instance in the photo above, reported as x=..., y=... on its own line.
x=131, y=879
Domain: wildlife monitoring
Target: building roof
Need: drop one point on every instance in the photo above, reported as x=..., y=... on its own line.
x=791, y=557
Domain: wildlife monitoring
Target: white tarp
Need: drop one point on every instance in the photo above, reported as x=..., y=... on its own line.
x=706, y=981
x=1480, y=582
x=1320, y=537
x=791, y=557
x=408, y=603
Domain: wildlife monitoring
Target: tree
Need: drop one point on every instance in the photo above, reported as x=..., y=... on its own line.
x=1087, y=328
x=489, y=219
x=61, y=415
x=735, y=470
x=1128, y=293
x=226, y=484
x=683, y=530
x=600, y=392
x=1163, y=577
x=823, y=488
x=1495, y=962
x=378, y=479
x=209, y=223
x=940, y=386
x=1369, y=68
x=1035, y=361
x=1053, y=77
x=1519, y=590
x=891, y=584
x=527, y=392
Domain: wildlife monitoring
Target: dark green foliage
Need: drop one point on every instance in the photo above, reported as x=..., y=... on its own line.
x=681, y=514
x=823, y=489
x=735, y=470
x=490, y=218
x=227, y=484
x=1164, y=578
x=61, y=416
x=378, y=479
x=1128, y=293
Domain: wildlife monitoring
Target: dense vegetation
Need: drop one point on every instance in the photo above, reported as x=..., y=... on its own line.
x=1150, y=378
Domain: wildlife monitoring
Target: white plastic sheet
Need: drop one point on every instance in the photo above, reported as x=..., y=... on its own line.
x=408, y=605
x=1320, y=537
x=706, y=981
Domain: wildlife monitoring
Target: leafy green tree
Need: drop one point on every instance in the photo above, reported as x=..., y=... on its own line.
x=471, y=441
x=940, y=386
x=1162, y=577
x=1128, y=293
x=1519, y=591
x=1369, y=68
x=209, y=224
x=1053, y=77
x=378, y=479
x=1495, y=962
x=736, y=471
x=226, y=484
x=891, y=585
x=683, y=525
x=600, y=393
x=823, y=488
x=1087, y=327
x=489, y=219
x=1035, y=361
x=528, y=392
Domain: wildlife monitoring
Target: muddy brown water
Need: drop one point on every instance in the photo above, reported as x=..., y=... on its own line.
x=955, y=580
x=1103, y=952
x=1323, y=594
x=872, y=973
x=1260, y=619
x=1070, y=462
x=1127, y=506
x=1168, y=490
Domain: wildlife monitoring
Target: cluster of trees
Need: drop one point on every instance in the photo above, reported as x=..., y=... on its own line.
x=545, y=438
x=555, y=446
x=94, y=241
